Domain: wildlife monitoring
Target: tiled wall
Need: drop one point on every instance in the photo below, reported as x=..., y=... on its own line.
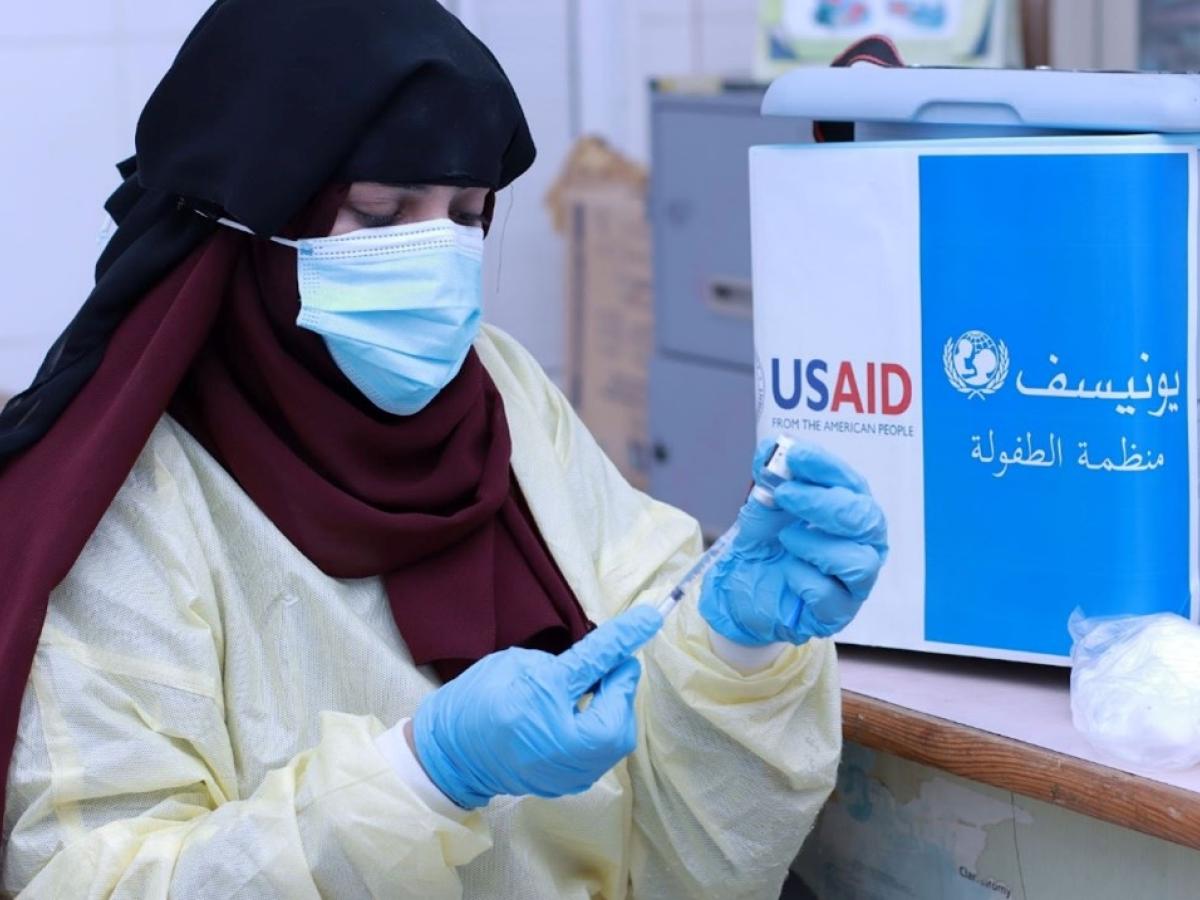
x=525, y=272
x=682, y=38
x=533, y=40
x=73, y=77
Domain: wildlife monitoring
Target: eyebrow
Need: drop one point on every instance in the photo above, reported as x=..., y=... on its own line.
x=424, y=188
x=380, y=190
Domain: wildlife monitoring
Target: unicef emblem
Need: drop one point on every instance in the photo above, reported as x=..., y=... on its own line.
x=975, y=364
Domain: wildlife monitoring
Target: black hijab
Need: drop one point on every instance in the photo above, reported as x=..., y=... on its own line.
x=309, y=91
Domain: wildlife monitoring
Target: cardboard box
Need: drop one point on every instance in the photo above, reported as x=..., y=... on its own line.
x=599, y=204
x=1000, y=335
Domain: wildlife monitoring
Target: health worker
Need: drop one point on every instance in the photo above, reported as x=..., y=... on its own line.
x=314, y=586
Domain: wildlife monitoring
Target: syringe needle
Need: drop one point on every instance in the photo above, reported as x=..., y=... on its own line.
x=707, y=560
x=774, y=473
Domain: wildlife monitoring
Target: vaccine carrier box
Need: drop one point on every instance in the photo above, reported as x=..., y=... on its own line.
x=999, y=333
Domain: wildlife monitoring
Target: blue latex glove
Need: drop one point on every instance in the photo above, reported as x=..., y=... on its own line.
x=511, y=724
x=804, y=569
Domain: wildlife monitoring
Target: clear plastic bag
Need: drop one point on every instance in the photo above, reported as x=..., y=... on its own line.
x=1135, y=688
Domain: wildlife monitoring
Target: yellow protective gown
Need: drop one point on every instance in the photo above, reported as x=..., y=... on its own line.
x=201, y=717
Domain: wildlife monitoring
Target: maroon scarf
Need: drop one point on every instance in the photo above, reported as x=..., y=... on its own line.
x=426, y=501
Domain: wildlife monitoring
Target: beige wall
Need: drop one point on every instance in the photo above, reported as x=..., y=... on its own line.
x=1094, y=34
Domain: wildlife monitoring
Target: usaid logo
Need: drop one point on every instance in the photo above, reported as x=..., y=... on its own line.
x=872, y=388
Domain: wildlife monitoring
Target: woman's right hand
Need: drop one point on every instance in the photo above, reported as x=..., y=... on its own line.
x=512, y=723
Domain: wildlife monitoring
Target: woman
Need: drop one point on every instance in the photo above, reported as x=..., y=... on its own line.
x=301, y=566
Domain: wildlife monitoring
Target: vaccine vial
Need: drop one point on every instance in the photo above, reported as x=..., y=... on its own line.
x=774, y=473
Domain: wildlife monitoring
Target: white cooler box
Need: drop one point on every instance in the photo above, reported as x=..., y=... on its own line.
x=999, y=333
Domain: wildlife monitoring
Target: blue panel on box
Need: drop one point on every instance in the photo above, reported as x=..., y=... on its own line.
x=1054, y=334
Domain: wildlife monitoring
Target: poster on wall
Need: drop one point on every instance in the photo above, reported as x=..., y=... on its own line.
x=928, y=32
x=849, y=19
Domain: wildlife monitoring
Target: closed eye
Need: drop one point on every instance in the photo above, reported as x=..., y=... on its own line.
x=367, y=220
x=470, y=220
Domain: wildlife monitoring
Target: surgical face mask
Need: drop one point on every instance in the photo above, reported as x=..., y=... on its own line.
x=398, y=307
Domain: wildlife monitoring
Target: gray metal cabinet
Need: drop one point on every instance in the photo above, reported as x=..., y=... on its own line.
x=703, y=417
x=702, y=375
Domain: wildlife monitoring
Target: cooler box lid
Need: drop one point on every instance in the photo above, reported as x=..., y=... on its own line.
x=991, y=101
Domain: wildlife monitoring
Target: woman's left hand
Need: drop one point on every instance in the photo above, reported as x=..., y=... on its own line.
x=804, y=569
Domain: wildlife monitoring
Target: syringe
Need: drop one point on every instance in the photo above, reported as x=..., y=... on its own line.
x=774, y=473
x=707, y=560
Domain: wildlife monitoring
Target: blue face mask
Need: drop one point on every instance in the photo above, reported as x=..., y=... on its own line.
x=398, y=307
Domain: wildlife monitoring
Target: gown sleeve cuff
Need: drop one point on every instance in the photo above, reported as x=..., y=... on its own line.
x=395, y=749
x=745, y=660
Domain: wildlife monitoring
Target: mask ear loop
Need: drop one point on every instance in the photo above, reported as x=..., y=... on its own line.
x=238, y=226
x=489, y=210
